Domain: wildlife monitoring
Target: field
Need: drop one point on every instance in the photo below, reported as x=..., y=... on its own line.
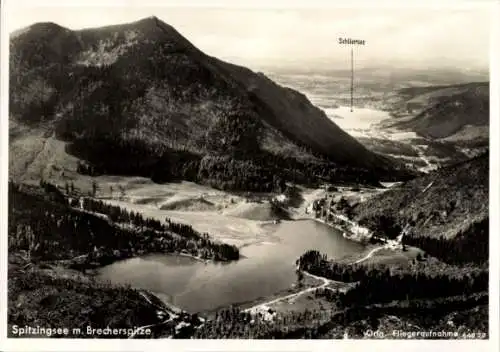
x=301, y=303
x=228, y=216
x=386, y=256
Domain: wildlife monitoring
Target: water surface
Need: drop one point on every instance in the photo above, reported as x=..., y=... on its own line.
x=266, y=268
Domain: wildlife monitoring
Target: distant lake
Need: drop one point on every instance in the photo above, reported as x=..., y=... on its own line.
x=266, y=268
x=359, y=119
x=331, y=93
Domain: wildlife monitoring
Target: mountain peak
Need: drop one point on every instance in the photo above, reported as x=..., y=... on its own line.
x=149, y=19
x=151, y=22
x=154, y=28
x=40, y=29
x=47, y=26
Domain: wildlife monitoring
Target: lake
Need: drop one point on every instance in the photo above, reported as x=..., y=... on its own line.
x=265, y=269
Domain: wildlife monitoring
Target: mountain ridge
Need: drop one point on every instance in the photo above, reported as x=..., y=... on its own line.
x=143, y=86
x=440, y=112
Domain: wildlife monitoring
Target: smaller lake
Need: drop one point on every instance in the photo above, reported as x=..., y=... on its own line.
x=265, y=269
x=359, y=119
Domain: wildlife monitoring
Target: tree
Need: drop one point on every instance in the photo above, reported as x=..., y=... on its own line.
x=32, y=244
x=94, y=188
x=122, y=191
x=300, y=277
x=233, y=132
x=342, y=204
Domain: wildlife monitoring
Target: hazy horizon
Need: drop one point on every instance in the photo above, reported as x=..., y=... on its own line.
x=305, y=38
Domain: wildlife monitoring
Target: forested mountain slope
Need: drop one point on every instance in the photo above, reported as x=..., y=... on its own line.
x=446, y=202
x=140, y=99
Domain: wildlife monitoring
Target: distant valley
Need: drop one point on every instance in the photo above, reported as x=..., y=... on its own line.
x=423, y=123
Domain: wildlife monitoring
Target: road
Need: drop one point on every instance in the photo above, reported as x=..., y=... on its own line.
x=264, y=305
x=369, y=255
x=421, y=154
x=428, y=186
x=141, y=328
x=161, y=309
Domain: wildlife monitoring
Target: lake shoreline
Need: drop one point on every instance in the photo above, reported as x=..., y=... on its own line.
x=201, y=287
x=292, y=225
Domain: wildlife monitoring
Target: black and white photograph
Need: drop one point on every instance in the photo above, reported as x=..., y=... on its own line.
x=256, y=173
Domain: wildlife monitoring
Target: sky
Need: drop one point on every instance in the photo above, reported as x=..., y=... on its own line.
x=303, y=37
